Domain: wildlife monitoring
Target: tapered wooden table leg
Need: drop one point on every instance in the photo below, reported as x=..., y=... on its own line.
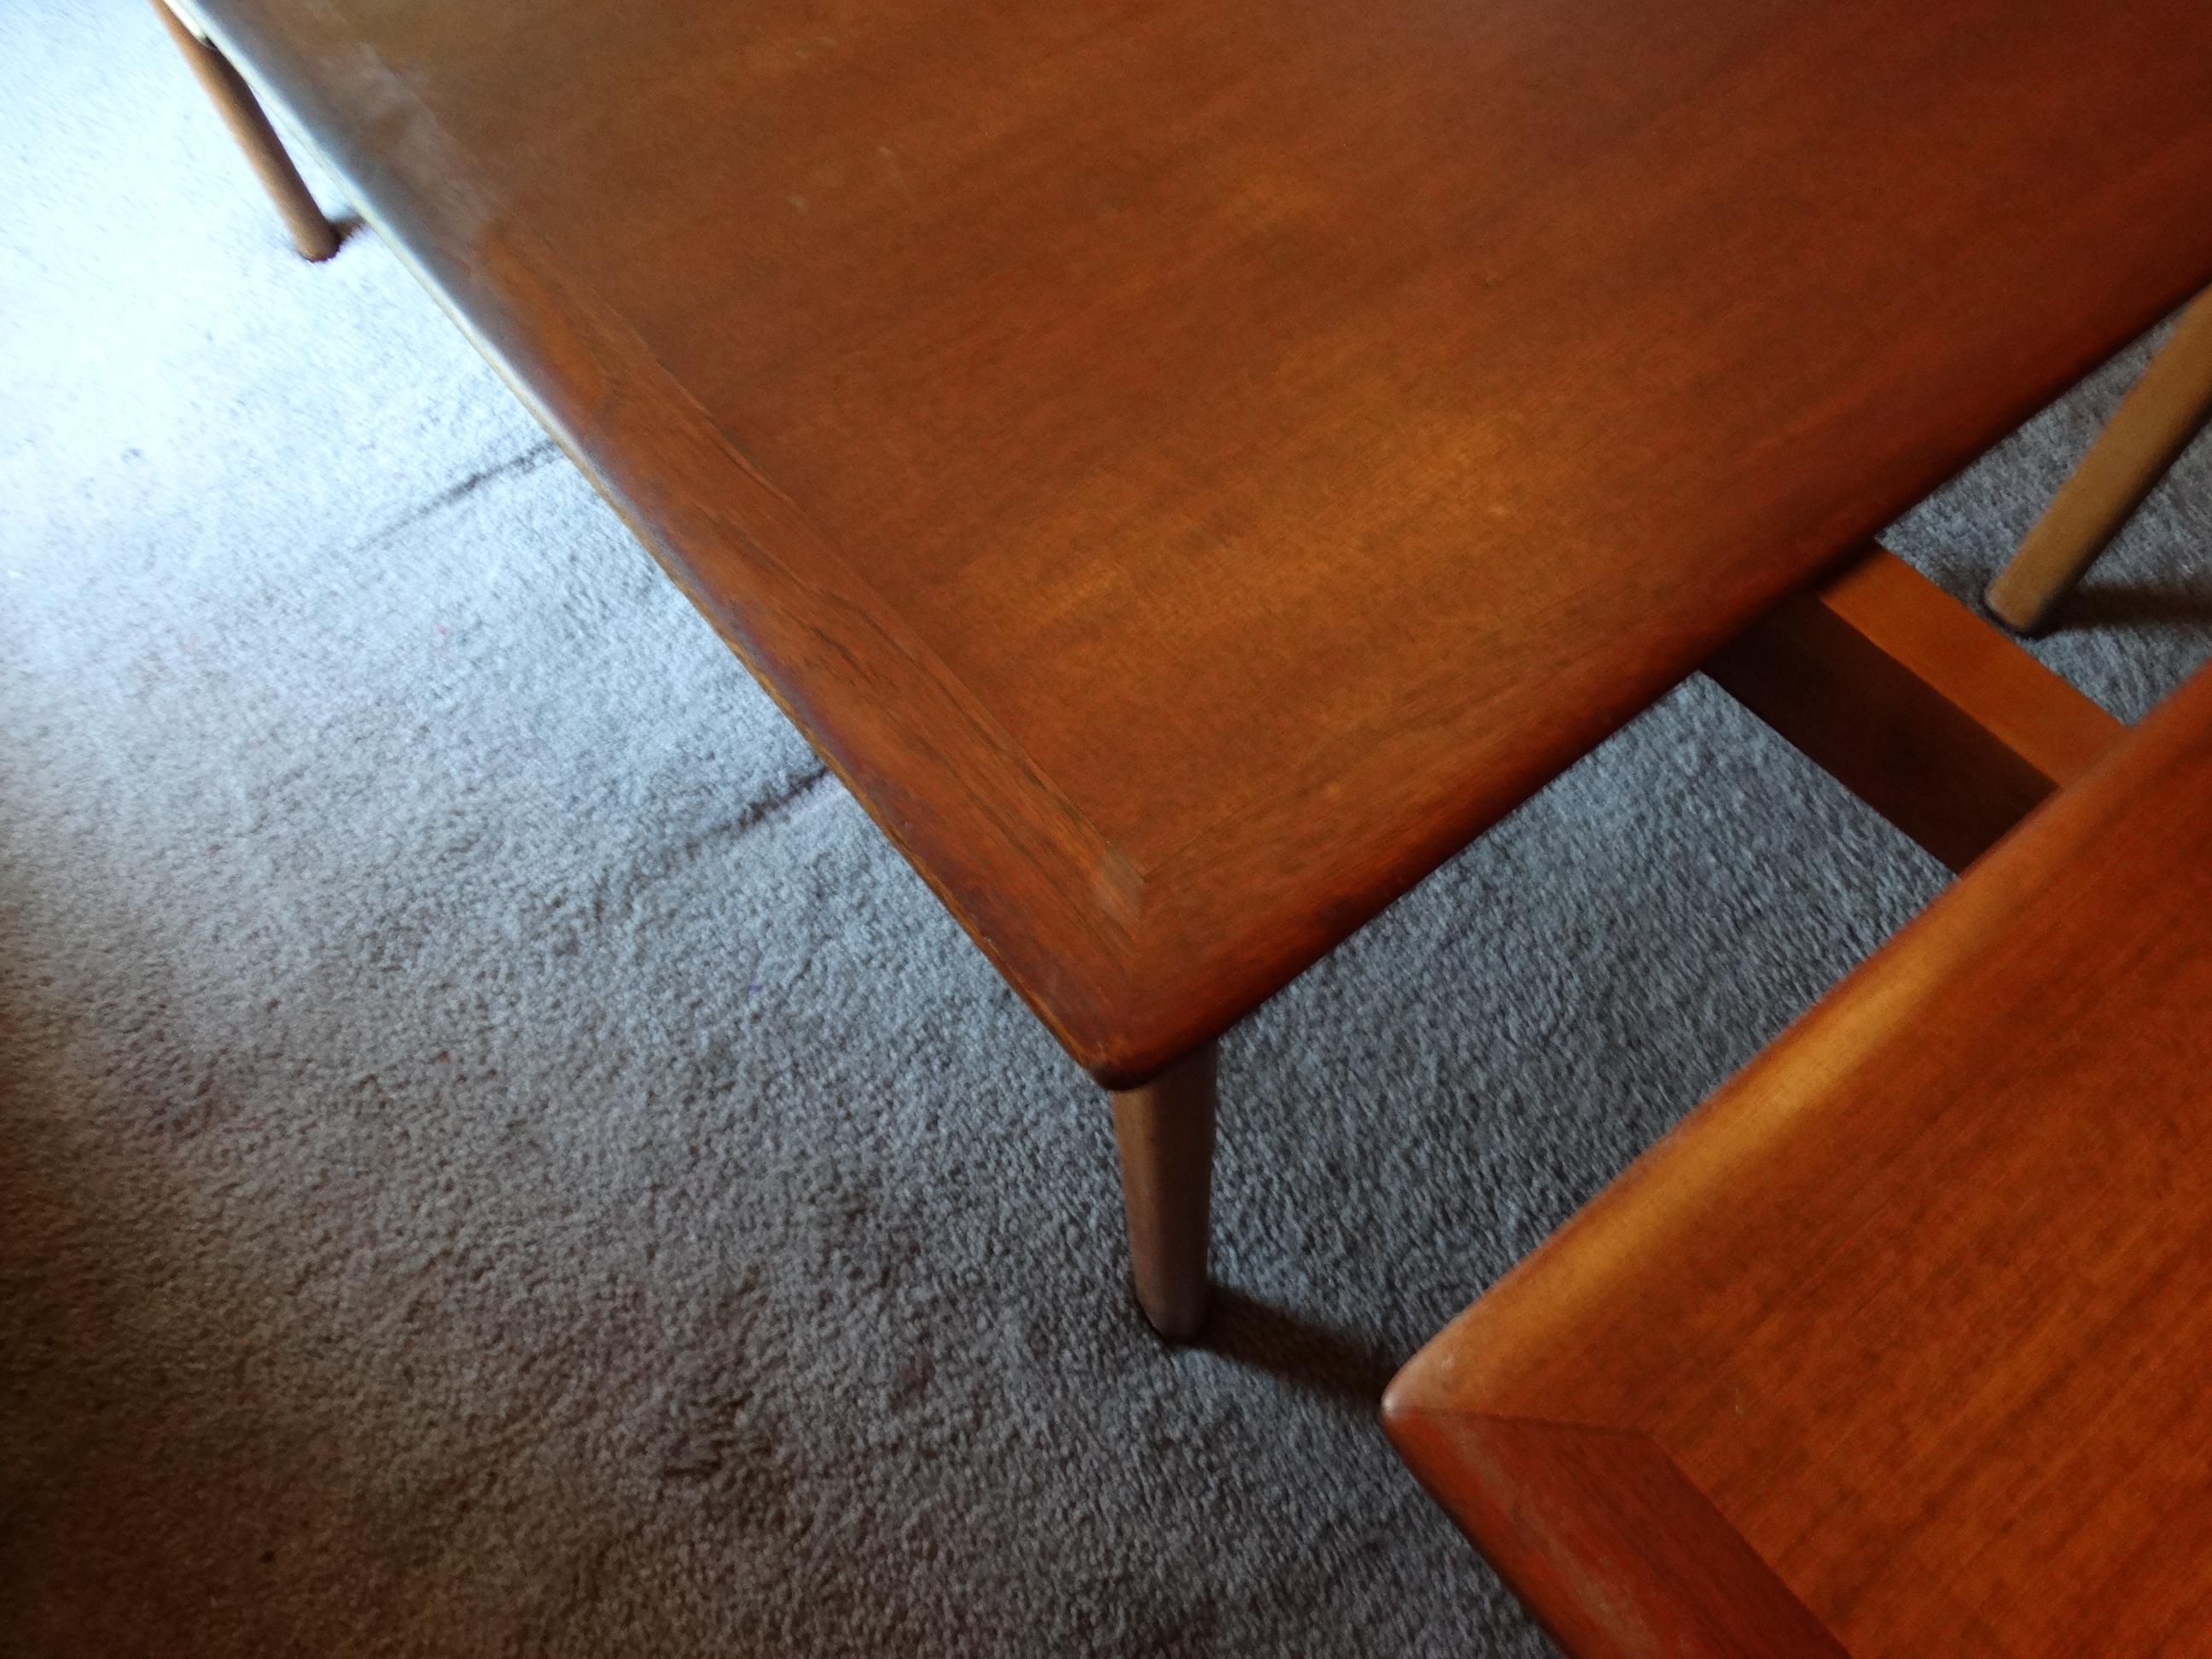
x=2145, y=436
x=312, y=233
x=1165, y=1132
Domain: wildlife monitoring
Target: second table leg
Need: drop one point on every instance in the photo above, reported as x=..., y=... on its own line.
x=2169, y=405
x=312, y=233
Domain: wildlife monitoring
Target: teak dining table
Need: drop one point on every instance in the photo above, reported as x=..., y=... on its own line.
x=1189, y=468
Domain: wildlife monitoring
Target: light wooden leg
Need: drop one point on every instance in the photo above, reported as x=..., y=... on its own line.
x=1165, y=1132
x=2146, y=435
x=312, y=233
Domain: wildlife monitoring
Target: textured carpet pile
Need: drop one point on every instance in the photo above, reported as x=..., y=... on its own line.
x=496, y=1155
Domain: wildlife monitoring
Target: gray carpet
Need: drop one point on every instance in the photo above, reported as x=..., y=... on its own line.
x=498, y=1157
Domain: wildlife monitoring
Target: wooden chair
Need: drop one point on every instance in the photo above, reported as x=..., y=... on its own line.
x=1896, y=1346
x=2166, y=409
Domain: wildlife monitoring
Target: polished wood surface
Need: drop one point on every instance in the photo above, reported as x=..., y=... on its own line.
x=1164, y=1130
x=1896, y=1346
x=311, y=232
x=1935, y=720
x=1190, y=468
x=2163, y=411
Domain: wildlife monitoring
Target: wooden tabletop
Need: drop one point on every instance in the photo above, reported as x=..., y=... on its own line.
x=1190, y=467
x=1897, y=1346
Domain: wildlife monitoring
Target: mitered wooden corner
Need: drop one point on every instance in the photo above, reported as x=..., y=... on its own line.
x=1601, y=1536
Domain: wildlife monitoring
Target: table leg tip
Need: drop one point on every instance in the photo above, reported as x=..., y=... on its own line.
x=2027, y=625
x=1177, y=1320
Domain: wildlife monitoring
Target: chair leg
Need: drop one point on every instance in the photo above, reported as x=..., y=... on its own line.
x=2146, y=435
x=312, y=233
x=1164, y=1130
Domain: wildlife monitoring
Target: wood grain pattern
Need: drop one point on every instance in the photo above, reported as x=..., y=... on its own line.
x=2161, y=413
x=1606, y=1540
x=1918, y=706
x=1916, y=1302
x=1191, y=468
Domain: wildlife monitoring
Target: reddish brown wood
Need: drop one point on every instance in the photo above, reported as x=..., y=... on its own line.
x=312, y=233
x=1932, y=717
x=1164, y=1130
x=1614, y=1550
x=1191, y=468
x=1914, y=1305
